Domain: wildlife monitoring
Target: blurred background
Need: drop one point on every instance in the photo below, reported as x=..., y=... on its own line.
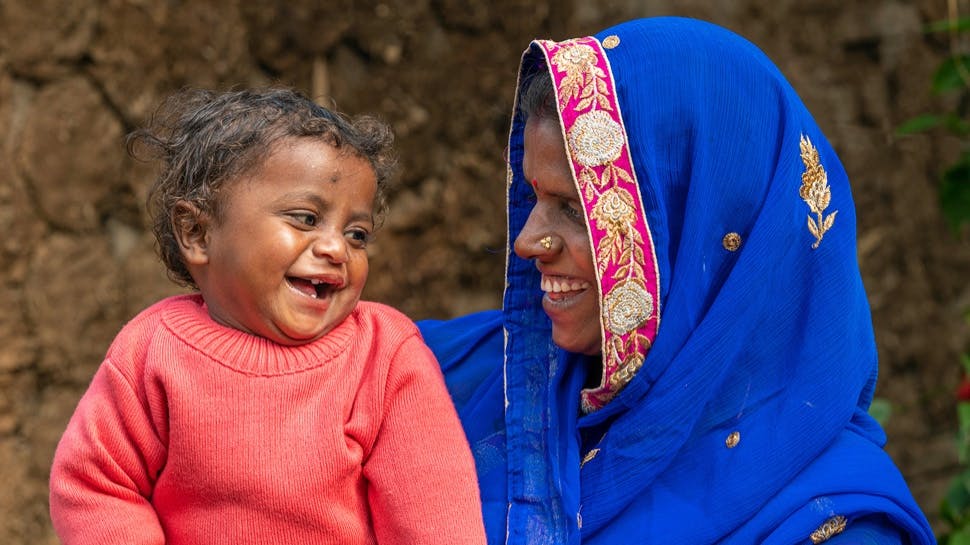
x=76, y=260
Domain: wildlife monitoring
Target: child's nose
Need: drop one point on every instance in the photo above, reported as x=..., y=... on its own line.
x=331, y=246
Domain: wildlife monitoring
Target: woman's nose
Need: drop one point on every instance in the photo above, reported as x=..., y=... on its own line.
x=331, y=246
x=535, y=238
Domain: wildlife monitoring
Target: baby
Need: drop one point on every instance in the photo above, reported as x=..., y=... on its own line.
x=272, y=406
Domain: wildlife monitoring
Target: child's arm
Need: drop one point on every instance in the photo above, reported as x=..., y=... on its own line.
x=423, y=488
x=105, y=468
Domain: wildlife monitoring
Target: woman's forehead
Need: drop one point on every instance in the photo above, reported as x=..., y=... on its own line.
x=545, y=156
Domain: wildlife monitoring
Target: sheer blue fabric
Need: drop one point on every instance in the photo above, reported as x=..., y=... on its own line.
x=748, y=421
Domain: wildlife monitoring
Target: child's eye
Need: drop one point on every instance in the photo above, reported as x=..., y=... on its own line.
x=358, y=237
x=305, y=218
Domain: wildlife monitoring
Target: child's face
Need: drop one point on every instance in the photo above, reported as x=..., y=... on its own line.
x=287, y=259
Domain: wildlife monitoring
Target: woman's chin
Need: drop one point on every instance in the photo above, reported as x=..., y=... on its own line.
x=577, y=341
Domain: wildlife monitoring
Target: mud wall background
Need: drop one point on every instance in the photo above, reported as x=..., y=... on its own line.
x=76, y=260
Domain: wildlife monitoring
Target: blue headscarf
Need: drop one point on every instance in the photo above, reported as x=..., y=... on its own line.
x=735, y=388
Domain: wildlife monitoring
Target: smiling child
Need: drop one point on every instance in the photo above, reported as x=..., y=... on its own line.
x=272, y=406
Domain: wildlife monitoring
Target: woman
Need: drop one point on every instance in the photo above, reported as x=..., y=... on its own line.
x=688, y=349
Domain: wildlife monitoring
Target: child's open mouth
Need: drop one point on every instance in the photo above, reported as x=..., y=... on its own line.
x=312, y=287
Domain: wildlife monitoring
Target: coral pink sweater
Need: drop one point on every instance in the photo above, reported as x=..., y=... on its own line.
x=192, y=433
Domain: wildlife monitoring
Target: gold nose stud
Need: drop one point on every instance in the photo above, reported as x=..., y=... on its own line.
x=546, y=242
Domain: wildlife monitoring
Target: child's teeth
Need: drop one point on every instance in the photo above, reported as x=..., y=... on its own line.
x=314, y=281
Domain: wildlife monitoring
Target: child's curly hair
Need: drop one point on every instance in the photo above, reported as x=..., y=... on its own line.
x=204, y=138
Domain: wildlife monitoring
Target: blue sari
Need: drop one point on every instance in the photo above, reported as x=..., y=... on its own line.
x=739, y=359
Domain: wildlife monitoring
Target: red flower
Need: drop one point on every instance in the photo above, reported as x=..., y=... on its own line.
x=963, y=390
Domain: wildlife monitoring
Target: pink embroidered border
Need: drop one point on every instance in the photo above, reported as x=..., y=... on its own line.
x=626, y=263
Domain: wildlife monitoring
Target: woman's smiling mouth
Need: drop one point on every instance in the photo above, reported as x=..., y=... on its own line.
x=559, y=288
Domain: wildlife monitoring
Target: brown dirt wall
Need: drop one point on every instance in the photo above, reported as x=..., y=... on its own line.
x=76, y=260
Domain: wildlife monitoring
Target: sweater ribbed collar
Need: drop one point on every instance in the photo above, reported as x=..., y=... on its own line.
x=187, y=317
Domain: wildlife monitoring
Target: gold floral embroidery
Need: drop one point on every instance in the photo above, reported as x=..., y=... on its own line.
x=626, y=371
x=815, y=191
x=596, y=139
x=614, y=212
x=611, y=41
x=584, y=80
x=829, y=528
x=628, y=306
x=733, y=439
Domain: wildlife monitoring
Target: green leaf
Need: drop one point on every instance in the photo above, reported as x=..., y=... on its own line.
x=925, y=122
x=952, y=73
x=955, y=193
x=880, y=409
x=954, y=508
x=960, y=537
x=920, y=123
x=963, y=415
x=961, y=24
x=956, y=125
x=963, y=435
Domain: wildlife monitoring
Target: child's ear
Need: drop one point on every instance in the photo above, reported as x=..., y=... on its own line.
x=191, y=228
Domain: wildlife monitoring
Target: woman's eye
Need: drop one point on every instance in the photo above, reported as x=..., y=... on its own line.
x=572, y=213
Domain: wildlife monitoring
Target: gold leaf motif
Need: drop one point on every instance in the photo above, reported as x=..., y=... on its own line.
x=813, y=228
x=578, y=61
x=831, y=527
x=584, y=80
x=626, y=372
x=622, y=175
x=815, y=191
x=829, y=220
x=588, y=178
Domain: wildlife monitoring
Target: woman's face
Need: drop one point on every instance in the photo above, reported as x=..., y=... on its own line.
x=564, y=258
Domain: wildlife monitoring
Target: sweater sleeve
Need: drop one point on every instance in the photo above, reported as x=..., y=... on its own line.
x=420, y=472
x=105, y=468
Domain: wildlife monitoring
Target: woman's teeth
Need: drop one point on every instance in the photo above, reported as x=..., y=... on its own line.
x=560, y=285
